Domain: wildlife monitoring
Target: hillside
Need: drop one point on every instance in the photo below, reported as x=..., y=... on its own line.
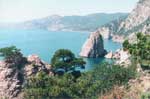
x=89, y=22
x=137, y=21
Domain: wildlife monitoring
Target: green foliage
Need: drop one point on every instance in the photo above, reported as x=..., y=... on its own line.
x=9, y=52
x=62, y=56
x=145, y=96
x=125, y=44
x=65, y=59
x=88, y=86
x=141, y=49
x=13, y=55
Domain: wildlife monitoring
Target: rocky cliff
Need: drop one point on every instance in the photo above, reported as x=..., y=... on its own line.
x=93, y=47
x=137, y=21
x=139, y=15
x=12, y=79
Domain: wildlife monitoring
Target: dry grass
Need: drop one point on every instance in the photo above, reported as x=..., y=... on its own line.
x=115, y=93
x=134, y=91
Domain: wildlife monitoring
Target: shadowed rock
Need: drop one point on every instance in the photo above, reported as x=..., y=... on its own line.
x=93, y=47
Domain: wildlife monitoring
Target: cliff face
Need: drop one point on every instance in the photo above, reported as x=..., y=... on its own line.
x=93, y=47
x=138, y=16
x=137, y=21
x=35, y=65
x=12, y=79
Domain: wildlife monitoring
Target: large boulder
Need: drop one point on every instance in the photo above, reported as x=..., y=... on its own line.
x=35, y=65
x=94, y=46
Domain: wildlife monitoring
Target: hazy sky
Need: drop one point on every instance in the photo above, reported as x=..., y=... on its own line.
x=21, y=10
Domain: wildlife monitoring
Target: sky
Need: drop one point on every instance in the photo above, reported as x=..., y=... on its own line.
x=22, y=10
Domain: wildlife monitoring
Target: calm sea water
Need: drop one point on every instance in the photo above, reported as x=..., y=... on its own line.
x=45, y=43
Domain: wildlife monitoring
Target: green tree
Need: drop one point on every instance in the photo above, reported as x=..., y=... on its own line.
x=66, y=60
x=9, y=53
x=13, y=55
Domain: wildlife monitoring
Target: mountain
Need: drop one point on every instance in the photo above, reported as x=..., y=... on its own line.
x=137, y=21
x=89, y=22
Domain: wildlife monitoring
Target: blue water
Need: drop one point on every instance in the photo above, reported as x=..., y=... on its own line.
x=45, y=43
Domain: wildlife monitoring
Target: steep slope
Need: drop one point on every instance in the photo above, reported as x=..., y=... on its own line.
x=137, y=17
x=93, y=47
x=137, y=21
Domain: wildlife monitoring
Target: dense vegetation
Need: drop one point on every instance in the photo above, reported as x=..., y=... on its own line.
x=9, y=52
x=72, y=84
x=140, y=50
x=88, y=86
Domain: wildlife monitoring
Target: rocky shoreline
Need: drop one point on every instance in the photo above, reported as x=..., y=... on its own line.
x=122, y=57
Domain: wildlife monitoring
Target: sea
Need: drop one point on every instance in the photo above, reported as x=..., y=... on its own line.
x=44, y=43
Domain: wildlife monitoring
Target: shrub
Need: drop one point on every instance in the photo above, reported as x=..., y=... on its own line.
x=88, y=86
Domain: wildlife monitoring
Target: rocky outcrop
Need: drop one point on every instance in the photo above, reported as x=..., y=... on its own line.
x=93, y=47
x=109, y=55
x=13, y=78
x=138, y=20
x=105, y=32
x=35, y=65
x=118, y=38
x=139, y=15
x=121, y=56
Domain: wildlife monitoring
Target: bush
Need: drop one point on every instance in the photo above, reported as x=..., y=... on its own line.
x=140, y=50
x=88, y=86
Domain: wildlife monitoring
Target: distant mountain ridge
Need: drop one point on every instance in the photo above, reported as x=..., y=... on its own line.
x=89, y=22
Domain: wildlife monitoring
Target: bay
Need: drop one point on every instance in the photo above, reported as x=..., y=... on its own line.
x=44, y=43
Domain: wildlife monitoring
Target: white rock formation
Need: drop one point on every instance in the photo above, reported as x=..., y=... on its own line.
x=122, y=57
x=105, y=32
x=93, y=47
x=109, y=55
